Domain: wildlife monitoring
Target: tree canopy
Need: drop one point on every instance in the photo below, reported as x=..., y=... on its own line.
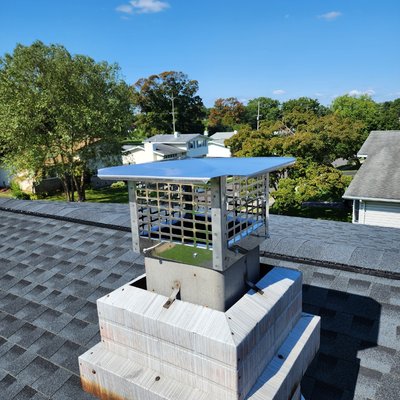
x=321, y=140
x=226, y=115
x=308, y=182
x=304, y=105
x=358, y=108
x=269, y=110
x=389, y=112
x=153, y=101
x=59, y=111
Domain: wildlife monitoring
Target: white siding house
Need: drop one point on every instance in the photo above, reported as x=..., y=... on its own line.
x=375, y=189
x=166, y=147
x=216, y=144
x=379, y=213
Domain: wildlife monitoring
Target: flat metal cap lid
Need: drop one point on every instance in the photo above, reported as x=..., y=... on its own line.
x=195, y=169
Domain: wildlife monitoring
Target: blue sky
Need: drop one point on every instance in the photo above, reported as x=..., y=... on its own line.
x=277, y=48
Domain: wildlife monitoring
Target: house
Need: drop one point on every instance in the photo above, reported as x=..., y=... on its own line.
x=216, y=144
x=98, y=155
x=166, y=147
x=57, y=259
x=375, y=189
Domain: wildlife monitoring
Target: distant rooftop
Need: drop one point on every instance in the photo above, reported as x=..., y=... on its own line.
x=166, y=149
x=220, y=137
x=180, y=139
x=379, y=176
x=196, y=169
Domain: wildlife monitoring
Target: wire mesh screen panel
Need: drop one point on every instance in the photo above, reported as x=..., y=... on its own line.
x=246, y=206
x=181, y=212
x=175, y=212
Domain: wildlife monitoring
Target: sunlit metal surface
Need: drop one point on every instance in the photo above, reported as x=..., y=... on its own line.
x=196, y=170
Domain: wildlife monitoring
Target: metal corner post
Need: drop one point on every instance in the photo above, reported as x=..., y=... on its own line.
x=266, y=205
x=133, y=208
x=218, y=221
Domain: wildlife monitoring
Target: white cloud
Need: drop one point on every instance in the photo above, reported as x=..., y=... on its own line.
x=330, y=16
x=355, y=92
x=143, y=7
x=279, y=91
x=125, y=8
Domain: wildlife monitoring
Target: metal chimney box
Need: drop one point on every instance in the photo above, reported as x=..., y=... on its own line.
x=207, y=324
x=199, y=223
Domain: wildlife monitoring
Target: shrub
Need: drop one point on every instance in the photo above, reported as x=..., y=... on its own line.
x=118, y=185
x=17, y=192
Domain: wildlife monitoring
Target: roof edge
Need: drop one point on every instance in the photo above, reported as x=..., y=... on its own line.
x=370, y=198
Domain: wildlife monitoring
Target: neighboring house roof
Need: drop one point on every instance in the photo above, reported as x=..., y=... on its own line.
x=218, y=144
x=220, y=137
x=181, y=139
x=166, y=149
x=160, y=148
x=57, y=258
x=127, y=147
x=379, y=176
x=132, y=149
x=377, y=140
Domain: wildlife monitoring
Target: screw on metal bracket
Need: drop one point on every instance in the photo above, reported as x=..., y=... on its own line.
x=172, y=298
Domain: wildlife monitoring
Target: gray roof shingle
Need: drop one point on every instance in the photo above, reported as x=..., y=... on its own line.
x=182, y=138
x=379, y=175
x=220, y=137
x=54, y=266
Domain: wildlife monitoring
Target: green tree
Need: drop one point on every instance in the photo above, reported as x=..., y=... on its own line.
x=226, y=115
x=297, y=120
x=60, y=111
x=389, y=115
x=153, y=100
x=358, y=108
x=308, y=182
x=269, y=110
x=304, y=105
x=317, y=139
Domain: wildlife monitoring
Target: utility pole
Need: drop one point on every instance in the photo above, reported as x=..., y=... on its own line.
x=173, y=114
x=258, y=115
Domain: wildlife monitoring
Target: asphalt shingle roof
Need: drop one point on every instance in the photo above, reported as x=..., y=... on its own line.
x=220, y=137
x=182, y=138
x=379, y=175
x=56, y=259
x=166, y=149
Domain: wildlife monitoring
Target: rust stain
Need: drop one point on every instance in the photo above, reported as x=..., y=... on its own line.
x=98, y=391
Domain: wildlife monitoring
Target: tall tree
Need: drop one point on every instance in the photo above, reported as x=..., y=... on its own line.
x=269, y=110
x=226, y=115
x=358, y=108
x=304, y=105
x=60, y=111
x=308, y=182
x=320, y=140
x=153, y=97
x=389, y=115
